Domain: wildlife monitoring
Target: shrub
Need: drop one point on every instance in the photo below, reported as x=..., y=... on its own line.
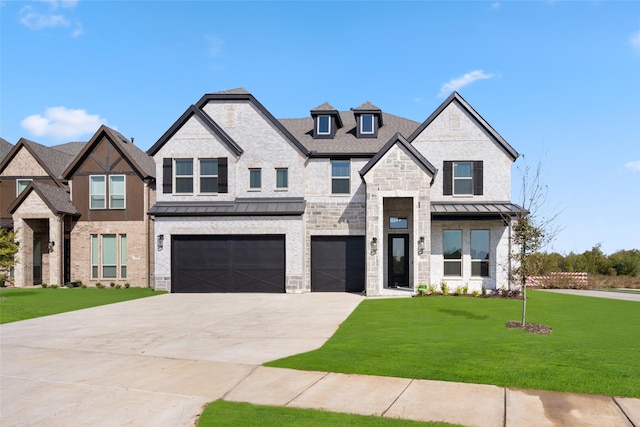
x=431, y=289
x=54, y=286
x=78, y=282
x=126, y=285
x=475, y=293
x=44, y=285
x=112, y=284
x=83, y=286
x=118, y=286
x=99, y=285
x=465, y=289
x=484, y=290
x=444, y=288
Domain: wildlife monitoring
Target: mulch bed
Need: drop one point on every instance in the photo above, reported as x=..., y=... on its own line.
x=534, y=328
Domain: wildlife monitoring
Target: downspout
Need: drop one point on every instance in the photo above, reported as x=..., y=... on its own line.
x=148, y=220
x=509, y=257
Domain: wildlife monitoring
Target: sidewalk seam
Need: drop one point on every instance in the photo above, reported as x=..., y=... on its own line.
x=504, y=413
x=397, y=397
x=623, y=411
x=224, y=396
x=311, y=385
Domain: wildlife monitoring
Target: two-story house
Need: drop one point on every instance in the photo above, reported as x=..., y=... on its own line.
x=79, y=210
x=357, y=200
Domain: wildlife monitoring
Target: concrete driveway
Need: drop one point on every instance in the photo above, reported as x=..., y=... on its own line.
x=153, y=361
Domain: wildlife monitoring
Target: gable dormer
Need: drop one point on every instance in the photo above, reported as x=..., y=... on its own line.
x=368, y=120
x=326, y=121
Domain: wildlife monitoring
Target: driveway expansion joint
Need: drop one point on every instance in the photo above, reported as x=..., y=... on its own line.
x=397, y=398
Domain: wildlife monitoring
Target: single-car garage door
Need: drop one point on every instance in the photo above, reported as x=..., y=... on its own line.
x=227, y=263
x=337, y=263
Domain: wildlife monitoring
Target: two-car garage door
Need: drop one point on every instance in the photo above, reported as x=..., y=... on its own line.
x=232, y=263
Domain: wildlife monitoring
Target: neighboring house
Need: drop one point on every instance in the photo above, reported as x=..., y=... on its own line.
x=79, y=210
x=355, y=201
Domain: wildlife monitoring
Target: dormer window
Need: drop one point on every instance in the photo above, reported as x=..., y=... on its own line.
x=326, y=121
x=366, y=124
x=368, y=120
x=324, y=125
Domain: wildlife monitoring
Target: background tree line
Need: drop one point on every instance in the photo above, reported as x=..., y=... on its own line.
x=594, y=261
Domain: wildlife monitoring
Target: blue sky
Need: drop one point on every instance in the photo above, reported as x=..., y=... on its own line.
x=560, y=81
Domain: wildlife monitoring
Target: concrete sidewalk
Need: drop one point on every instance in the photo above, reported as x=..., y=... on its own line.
x=610, y=294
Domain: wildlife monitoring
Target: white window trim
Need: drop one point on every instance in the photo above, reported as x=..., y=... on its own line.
x=348, y=178
x=464, y=178
x=176, y=176
x=255, y=188
x=124, y=195
x=18, y=186
x=287, y=186
x=200, y=176
x=373, y=124
x=103, y=194
x=318, y=125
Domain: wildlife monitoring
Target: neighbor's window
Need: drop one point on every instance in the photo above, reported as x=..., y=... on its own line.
x=255, y=179
x=208, y=175
x=324, y=125
x=366, y=123
x=282, y=178
x=340, y=183
x=463, y=178
x=183, y=175
x=117, y=192
x=97, y=192
x=480, y=253
x=21, y=184
x=452, y=252
x=395, y=222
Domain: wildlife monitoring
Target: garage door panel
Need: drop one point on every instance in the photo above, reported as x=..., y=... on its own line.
x=337, y=263
x=228, y=263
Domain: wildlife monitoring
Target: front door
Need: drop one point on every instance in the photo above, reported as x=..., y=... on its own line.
x=398, y=257
x=37, y=260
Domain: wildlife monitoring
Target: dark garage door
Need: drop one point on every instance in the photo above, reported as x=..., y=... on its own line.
x=227, y=264
x=337, y=263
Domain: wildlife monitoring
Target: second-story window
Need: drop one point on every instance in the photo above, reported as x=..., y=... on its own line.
x=183, y=175
x=324, y=125
x=21, y=184
x=255, y=179
x=366, y=124
x=117, y=192
x=208, y=175
x=462, y=178
x=97, y=192
x=340, y=182
x=282, y=178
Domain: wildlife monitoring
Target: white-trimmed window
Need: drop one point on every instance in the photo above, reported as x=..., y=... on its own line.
x=452, y=252
x=255, y=179
x=97, y=192
x=367, y=124
x=108, y=256
x=340, y=172
x=21, y=184
x=208, y=175
x=282, y=178
x=324, y=125
x=183, y=175
x=462, y=178
x=117, y=192
x=480, y=249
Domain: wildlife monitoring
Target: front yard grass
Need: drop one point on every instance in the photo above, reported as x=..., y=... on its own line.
x=26, y=303
x=593, y=348
x=223, y=413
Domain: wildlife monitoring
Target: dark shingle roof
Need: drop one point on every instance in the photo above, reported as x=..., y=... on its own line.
x=367, y=106
x=5, y=147
x=54, y=160
x=56, y=198
x=240, y=207
x=345, y=141
x=72, y=148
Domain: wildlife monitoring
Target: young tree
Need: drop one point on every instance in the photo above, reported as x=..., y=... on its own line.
x=532, y=230
x=8, y=250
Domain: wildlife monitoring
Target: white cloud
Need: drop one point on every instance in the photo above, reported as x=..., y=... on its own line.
x=35, y=18
x=62, y=123
x=495, y=5
x=462, y=81
x=214, y=45
x=634, y=41
x=633, y=166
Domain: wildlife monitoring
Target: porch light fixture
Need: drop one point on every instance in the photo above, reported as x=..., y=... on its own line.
x=160, y=242
x=374, y=245
x=421, y=245
x=50, y=246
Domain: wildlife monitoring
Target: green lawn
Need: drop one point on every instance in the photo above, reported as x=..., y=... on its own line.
x=20, y=304
x=593, y=348
x=223, y=413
